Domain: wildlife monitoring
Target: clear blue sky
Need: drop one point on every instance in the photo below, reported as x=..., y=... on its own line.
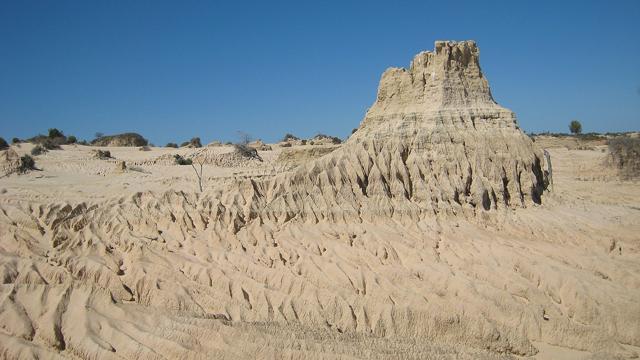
x=171, y=70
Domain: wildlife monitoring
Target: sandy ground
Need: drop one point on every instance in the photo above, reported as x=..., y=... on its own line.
x=138, y=273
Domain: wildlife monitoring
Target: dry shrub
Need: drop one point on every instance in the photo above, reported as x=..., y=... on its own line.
x=182, y=161
x=38, y=150
x=26, y=164
x=247, y=151
x=102, y=154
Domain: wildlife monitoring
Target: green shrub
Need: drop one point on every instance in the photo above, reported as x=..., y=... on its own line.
x=289, y=137
x=15, y=140
x=3, y=144
x=575, y=127
x=333, y=139
x=182, y=161
x=592, y=136
x=71, y=139
x=51, y=144
x=195, y=142
x=172, y=145
x=55, y=133
x=26, y=164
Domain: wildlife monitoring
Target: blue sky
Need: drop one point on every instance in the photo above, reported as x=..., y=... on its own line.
x=171, y=70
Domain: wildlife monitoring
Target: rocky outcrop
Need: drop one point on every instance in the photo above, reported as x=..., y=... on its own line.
x=434, y=141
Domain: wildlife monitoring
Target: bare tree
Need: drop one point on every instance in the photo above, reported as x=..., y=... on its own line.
x=244, y=138
x=199, y=175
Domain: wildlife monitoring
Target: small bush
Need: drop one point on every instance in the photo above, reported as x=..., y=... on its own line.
x=144, y=148
x=38, y=150
x=194, y=142
x=15, y=140
x=182, y=161
x=172, y=145
x=102, y=154
x=83, y=142
x=228, y=143
x=311, y=142
x=334, y=139
x=47, y=142
x=26, y=164
x=303, y=142
x=51, y=144
x=247, y=151
x=55, y=133
x=71, y=139
x=290, y=137
x=591, y=136
x=3, y=144
x=285, y=144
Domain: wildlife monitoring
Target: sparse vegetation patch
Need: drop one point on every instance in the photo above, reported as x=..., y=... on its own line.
x=38, y=150
x=26, y=164
x=181, y=160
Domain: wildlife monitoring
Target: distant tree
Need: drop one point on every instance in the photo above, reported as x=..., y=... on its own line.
x=71, y=139
x=575, y=127
x=195, y=142
x=3, y=144
x=55, y=133
x=15, y=140
x=171, y=145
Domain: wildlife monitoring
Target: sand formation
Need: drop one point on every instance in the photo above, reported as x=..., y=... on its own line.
x=401, y=243
x=434, y=141
x=126, y=139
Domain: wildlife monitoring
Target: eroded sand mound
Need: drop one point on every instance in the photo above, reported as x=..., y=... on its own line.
x=126, y=139
x=9, y=162
x=418, y=238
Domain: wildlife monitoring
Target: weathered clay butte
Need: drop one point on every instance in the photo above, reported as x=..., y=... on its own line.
x=428, y=234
